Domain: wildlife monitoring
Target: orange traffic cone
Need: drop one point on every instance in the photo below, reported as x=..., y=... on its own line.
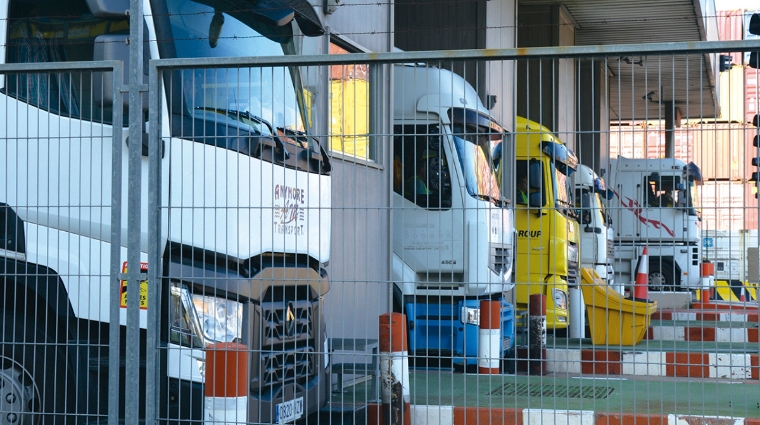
x=642, y=277
x=742, y=298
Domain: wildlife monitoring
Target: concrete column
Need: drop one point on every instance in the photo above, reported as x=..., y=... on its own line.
x=672, y=121
x=593, y=117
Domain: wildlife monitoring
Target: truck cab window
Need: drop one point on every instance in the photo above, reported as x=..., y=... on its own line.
x=43, y=33
x=584, y=204
x=663, y=191
x=420, y=167
x=529, y=183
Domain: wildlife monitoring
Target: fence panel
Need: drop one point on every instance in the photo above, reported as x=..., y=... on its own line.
x=450, y=237
x=583, y=294
x=61, y=202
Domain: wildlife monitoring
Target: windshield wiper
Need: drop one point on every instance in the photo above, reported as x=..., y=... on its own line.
x=235, y=114
x=497, y=202
x=569, y=209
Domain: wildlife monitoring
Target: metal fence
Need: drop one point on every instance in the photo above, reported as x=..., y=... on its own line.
x=549, y=235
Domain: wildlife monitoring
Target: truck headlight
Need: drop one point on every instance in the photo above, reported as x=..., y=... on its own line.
x=198, y=320
x=560, y=298
x=221, y=319
x=470, y=315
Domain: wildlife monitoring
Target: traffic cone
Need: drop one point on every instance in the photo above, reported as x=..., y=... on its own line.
x=642, y=277
x=742, y=298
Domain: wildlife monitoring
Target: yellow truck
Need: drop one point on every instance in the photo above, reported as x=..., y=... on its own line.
x=545, y=220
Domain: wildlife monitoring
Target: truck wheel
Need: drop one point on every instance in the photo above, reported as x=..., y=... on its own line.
x=33, y=385
x=661, y=276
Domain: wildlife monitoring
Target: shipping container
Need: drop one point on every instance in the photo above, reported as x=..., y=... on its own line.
x=730, y=27
x=751, y=93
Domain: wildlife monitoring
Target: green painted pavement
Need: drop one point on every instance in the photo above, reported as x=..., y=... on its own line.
x=697, y=397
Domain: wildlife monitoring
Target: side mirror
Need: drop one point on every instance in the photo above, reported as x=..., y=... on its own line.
x=609, y=194
x=536, y=200
x=534, y=176
x=115, y=47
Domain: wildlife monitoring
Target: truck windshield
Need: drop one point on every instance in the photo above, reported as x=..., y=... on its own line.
x=273, y=95
x=602, y=209
x=475, y=146
x=687, y=198
x=669, y=191
x=564, y=197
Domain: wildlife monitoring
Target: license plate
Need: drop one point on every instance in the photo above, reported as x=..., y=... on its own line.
x=289, y=411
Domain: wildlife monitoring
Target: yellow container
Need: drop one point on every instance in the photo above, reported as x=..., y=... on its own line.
x=613, y=320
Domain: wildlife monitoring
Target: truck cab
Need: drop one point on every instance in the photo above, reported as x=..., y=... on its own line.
x=597, y=235
x=657, y=197
x=452, y=230
x=546, y=220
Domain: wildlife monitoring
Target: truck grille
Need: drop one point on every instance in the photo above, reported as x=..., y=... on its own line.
x=501, y=258
x=572, y=273
x=572, y=265
x=295, y=365
x=286, y=319
x=288, y=346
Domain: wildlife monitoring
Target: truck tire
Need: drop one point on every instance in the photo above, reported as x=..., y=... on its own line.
x=34, y=386
x=661, y=275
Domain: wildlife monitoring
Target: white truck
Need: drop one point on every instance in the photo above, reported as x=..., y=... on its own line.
x=654, y=207
x=597, y=235
x=453, y=233
x=244, y=191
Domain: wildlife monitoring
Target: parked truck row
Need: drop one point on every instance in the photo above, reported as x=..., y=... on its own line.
x=453, y=204
x=463, y=232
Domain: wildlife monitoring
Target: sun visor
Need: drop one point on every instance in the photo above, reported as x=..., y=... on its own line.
x=307, y=17
x=106, y=9
x=274, y=10
x=277, y=12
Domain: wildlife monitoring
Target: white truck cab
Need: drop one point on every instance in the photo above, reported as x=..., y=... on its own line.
x=597, y=236
x=655, y=198
x=453, y=233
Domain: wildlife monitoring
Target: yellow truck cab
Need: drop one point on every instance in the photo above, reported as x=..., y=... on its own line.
x=545, y=220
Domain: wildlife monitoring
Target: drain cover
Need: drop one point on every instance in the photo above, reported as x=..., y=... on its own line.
x=565, y=391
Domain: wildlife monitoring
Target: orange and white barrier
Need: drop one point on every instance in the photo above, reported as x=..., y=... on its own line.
x=489, y=341
x=394, y=370
x=469, y=415
x=226, y=388
x=707, y=279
